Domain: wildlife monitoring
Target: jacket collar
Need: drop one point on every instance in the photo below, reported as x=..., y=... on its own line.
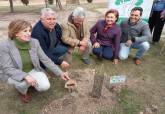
x=105, y=25
x=15, y=55
x=21, y=45
x=40, y=23
x=45, y=27
x=70, y=21
x=140, y=20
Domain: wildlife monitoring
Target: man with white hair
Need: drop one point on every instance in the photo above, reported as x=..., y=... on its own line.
x=76, y=34
x=49, y=33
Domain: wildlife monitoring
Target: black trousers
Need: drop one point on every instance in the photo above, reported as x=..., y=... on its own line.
x=156, y=25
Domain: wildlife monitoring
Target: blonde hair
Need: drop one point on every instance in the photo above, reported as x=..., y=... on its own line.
x=16, y=26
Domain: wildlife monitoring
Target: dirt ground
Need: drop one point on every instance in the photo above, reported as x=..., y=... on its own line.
x=80, y=101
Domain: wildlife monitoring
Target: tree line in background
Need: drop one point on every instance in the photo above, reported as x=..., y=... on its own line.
x=47, y=2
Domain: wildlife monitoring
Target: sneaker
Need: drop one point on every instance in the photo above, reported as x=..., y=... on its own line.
x=137, y=61
x=86, y=61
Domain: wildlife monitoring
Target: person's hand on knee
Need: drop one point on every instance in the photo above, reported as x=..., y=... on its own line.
x=96, y=45
x=30, y=80
x=128, y=43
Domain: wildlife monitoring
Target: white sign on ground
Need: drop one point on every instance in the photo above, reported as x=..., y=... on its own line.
x=124, y=7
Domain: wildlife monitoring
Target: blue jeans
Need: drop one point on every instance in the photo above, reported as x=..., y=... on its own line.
x=58, y=51
x=103, y=51
x=141, y=47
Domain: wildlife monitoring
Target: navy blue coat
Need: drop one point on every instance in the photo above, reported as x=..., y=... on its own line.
x=42, y=34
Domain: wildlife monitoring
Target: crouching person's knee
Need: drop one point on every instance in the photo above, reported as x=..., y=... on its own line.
x=43, y=87
x=146, y=46
x=43, y=83
x=124, y=52
x=123, y=57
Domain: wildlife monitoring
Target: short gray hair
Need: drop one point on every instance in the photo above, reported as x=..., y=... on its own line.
x=79, y=12
x=47, y=11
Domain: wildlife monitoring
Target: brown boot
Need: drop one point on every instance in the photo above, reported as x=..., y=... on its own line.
x=137, y=61
x=25, y=98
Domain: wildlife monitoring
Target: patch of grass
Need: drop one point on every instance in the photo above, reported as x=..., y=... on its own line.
x=115, y=109
x=127, y=100
x=14, y=105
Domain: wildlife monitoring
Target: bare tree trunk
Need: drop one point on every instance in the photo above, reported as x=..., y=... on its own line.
x=11, y=6
x=58, y=2
x=46, y=3
x=97, y=86
x=98, y=83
